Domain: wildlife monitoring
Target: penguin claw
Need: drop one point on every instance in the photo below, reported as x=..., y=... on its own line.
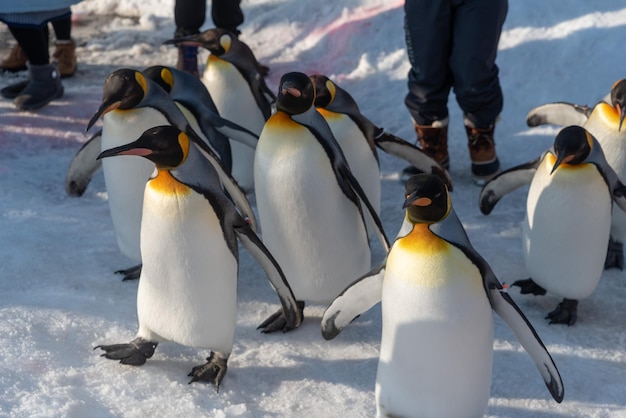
x=278, y=322
x=134, y=353
x=566, y=312
x=212, y=371
x=528, y=286
x=614, y=255
x=131, y=273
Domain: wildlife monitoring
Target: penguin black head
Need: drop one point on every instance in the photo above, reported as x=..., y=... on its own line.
x=572, y=145
x=161, y=75
x=166, y=146
x=123, y=89
x=296, y=93
x=618, y=99
x=217, y=40
x=324, y=90
x=427, y=199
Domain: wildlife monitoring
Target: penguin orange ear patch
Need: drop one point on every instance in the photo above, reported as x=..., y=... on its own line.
x=422, y=201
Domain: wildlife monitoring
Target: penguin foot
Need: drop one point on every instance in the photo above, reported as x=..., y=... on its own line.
x=134, y=353
x=614, y=255
x=213, y=371
x=566, y=312
x=131, y=273
x=528, y=286
x=278, y=322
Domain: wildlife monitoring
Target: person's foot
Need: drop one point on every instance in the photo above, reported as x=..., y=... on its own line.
x=482, y=150
x=433, y=140
x=13, y=90
x=15, y=61
x=188, y=59
x=64, y=56
x=44, y=85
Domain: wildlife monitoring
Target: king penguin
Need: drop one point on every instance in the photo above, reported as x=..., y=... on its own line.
x=359, y=137
x=232, y=76
x=131, y=104
x=189, y=232
x=568, y=217
x=604, y=121
x=194, y=100
x=310, y=204
x=437, y=297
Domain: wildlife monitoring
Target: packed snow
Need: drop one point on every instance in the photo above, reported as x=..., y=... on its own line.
x=59, y=297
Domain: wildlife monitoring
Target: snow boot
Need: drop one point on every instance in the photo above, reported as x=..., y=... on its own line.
x=433, y=140
x=15, y=61
x=64, y=56
x=482, y=150
x=44, y=85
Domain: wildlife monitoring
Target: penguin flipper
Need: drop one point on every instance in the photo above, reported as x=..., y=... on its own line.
x=83, y=166
x=230, y=184
x=506, y=182
x=508, y=310
x=131, y=273
x=558, y=113
x=356, y=299
x=413, y=155
x=274, y=273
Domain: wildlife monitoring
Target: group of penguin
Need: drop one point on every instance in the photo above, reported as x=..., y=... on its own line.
x=310, y=158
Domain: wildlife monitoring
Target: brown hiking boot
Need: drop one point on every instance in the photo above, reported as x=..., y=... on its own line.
x=15, y=61
x=482, y=149
x=64, y=56
x=433, y=140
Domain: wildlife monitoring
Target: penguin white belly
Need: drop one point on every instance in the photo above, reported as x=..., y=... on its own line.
x=313, y=230
x=566, y=229
x=235, y=102
x=125, y=177
x=188, y=286
x=437, y=338
x=613, y=144
x=360, y=157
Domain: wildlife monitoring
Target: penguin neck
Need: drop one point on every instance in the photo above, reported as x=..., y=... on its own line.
x=422, y=239
x=165, y=183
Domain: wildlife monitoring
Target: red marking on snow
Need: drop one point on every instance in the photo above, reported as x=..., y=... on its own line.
x=339, y=33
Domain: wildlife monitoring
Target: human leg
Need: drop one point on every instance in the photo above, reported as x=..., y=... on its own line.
x=477, y=28
x=427, y=35
x=64, y=47
x=44, y=84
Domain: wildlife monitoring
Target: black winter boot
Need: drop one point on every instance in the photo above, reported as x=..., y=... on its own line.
x=44, y=85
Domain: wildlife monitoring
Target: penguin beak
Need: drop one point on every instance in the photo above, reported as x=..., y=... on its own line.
x=192, y=40
x=560, y=160
x=104, y=108
x=128, y=149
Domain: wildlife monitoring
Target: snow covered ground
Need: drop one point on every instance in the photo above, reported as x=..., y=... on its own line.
x=59, y=297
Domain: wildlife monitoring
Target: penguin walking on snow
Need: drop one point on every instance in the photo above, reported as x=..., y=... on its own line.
x=309, y=202
x=568, y=217
x=236, y=82
x=437, y=297
x=604, y=121
x=359, y=137
x=189, y=233
x=131, y=104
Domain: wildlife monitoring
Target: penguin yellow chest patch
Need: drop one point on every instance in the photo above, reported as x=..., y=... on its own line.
x=164, y=183
x=423, y=259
